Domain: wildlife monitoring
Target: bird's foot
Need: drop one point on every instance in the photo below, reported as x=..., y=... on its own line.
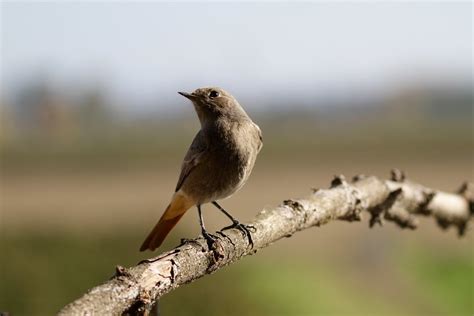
x=210, y=239
x=245, y=229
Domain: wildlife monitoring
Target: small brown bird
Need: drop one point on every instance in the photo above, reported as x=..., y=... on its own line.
x=217, y=164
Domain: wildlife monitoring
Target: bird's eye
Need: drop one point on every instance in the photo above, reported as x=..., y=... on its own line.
x=213, y=94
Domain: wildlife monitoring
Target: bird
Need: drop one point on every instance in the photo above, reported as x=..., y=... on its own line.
x=217, y=164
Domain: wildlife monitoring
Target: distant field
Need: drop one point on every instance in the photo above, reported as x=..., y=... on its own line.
x=163, y=144
x=101, y=179
x=104, y=200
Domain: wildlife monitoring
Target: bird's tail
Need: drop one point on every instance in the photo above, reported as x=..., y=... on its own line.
x=175, y=210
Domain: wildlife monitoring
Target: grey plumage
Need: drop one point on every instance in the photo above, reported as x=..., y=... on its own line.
x=223, y=152
x=218, y=162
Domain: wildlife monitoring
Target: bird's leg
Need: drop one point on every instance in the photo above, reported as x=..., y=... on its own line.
x=236, y=224
x=210, y=239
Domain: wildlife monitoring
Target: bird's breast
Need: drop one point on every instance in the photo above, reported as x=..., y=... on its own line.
x=235, y=152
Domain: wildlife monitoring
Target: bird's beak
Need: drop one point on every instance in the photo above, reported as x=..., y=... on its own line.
x=190, y=96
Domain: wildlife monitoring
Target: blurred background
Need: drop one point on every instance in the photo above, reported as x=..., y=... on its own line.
x=93, y=133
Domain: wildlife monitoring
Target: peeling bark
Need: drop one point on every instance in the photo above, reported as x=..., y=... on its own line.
x=135, y=290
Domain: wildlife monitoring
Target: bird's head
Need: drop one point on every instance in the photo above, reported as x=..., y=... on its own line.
x=213, y=102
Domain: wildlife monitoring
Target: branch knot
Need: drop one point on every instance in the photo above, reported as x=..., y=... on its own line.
x=397, y=175
x=338, y=181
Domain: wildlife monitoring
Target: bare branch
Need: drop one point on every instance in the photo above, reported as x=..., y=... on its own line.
x=136, y=289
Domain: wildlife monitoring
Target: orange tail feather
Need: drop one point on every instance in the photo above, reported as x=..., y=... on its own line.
x=175, y=210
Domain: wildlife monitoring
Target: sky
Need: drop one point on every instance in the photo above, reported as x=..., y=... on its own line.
x=142, y=53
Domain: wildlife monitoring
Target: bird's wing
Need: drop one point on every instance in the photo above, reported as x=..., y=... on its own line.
x=193, y=157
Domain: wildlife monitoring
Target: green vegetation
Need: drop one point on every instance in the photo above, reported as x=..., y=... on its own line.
x=44, y=272
x=446, y=279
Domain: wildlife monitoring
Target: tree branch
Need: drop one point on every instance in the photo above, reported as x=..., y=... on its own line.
x=134, y=290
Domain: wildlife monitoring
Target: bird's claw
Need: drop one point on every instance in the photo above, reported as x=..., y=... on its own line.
x=210, y=239
x=245, y=229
